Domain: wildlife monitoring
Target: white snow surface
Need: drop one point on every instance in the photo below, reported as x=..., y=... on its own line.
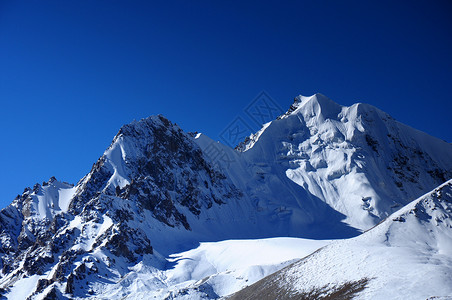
x=212, y=270
x=52, y=199
x=116, y=159
x=23, y=288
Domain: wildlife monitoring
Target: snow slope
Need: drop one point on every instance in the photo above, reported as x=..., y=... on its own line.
x=212, y=270
x=407, y=256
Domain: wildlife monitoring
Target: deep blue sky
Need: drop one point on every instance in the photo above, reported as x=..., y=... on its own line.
x=72, y=72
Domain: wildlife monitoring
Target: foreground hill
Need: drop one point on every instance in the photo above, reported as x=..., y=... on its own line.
x=407, y=256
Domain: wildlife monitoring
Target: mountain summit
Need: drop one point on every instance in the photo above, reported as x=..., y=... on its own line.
x=357, y=159
x=319, y=171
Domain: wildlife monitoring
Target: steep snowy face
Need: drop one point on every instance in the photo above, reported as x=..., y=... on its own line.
x=277, y=205
x=406, y=256
x=357, y=159
x=45, y=201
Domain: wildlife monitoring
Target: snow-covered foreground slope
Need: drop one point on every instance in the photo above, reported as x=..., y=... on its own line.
x=407, y=256
x=212, y=270
x=209, y=271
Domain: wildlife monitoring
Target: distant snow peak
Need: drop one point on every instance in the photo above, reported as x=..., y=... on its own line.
x=296, y=103
x=314, y=104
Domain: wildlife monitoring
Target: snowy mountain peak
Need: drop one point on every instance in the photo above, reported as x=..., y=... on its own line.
x=317, y=105
x=321, y=171
x=324, y=147
x=145, y=125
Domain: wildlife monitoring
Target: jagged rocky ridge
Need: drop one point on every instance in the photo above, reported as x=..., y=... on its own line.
x=320, y=171
x=152, y=170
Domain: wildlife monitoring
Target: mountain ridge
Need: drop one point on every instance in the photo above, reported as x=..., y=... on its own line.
x=319, y=171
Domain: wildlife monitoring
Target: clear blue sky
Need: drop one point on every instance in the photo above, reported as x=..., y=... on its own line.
x=72, y=72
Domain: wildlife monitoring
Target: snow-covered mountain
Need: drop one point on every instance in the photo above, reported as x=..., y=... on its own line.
x=357, y=159
x=320, y=171
x=407, y=256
